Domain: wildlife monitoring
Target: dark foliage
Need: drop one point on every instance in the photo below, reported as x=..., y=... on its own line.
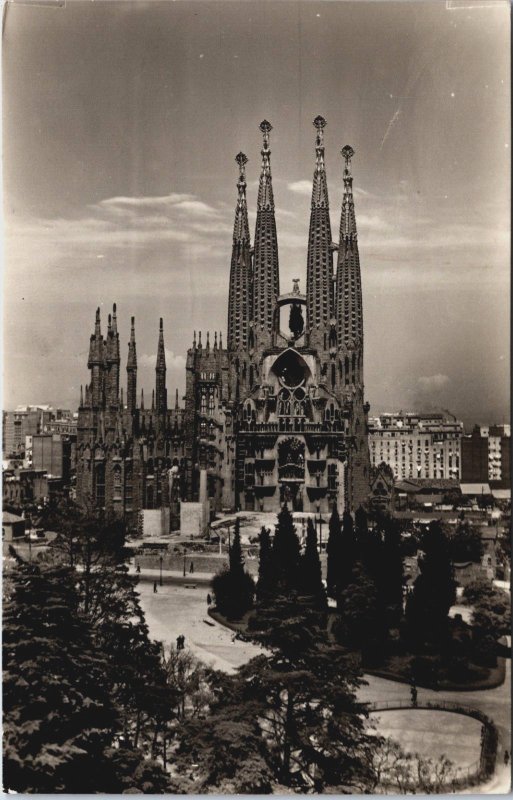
x=265, y=572
x=311, y=573
x=234, y=588
x=434, y=590
x=236, y=559
x=334, y=552
x=304, y=695
x=58, y=711
x=286, y=553
x=361, y=620
x=465, y=543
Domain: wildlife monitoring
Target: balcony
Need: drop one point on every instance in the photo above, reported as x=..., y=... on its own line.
x=316, y=465
x=264, y=464
x=316, y=492
x=291, y=472
x=265, y=490
x=289, y=425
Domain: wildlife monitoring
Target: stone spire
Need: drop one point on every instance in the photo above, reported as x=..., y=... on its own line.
x=266, y=280
x=349, y=282
x=96, y=363
x=160, y=369
x=131, y=371
x=239, y=298
x=112, y=361
x=319, y=274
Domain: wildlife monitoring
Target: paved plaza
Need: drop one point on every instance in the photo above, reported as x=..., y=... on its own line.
x=176, y=610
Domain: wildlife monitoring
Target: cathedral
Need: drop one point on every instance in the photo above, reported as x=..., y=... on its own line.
x=275, y=415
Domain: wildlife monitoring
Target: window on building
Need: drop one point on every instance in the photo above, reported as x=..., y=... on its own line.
x=100, y=485
x=117, y=483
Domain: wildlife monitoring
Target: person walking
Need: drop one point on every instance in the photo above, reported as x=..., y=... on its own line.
x=178, y=642
x=413, y=693
x=138, y=569
x=209, y=600
x=506, y=757
x=191, y=568
x=155, y=587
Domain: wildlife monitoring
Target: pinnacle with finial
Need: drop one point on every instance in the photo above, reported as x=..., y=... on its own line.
x=347, y=152
x=161, y=354
x=265, y=126
x=132, y=351
x=242, y=160
x=319, y=122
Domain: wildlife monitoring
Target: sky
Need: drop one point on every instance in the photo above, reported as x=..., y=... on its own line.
x=121, y=124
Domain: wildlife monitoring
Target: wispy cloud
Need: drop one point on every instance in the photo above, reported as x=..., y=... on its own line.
x=173, y=361
x=433, y=383
x=300, y=187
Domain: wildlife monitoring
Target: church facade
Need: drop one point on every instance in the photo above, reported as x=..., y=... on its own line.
x=275, y=415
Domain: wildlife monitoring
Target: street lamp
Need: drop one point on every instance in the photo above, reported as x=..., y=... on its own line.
x=161, y=570
x=184, y=558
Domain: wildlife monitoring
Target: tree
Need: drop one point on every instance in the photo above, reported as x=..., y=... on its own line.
x=187, y=679
x=491, y=619
x=311, y=573
x=360, y=618
x=348, y=552
x=465, y=543
x=236, y=559
x=478, y=588
x=334, y=552
x=390, y=586
x=227, y=749
x=286, y=552
x=233, y=593
x=303, y=694
x=58, y=714
x=434, y=590
x=265, y=576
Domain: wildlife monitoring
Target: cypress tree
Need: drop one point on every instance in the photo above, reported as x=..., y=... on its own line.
x=311, y=572
x=286, y=552
x=391, y=588
x=434, y=590
x=265, y=576
x=234, y=588
x=348, y=553
x=236, y=557
x=361, y=531
x=334, y=552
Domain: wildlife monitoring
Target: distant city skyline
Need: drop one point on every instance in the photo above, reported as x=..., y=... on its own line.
x=122, y=121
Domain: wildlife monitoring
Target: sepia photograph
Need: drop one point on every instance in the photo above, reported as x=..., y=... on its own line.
x=256, y=437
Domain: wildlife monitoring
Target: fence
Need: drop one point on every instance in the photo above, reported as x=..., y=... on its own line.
x=480, y=769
